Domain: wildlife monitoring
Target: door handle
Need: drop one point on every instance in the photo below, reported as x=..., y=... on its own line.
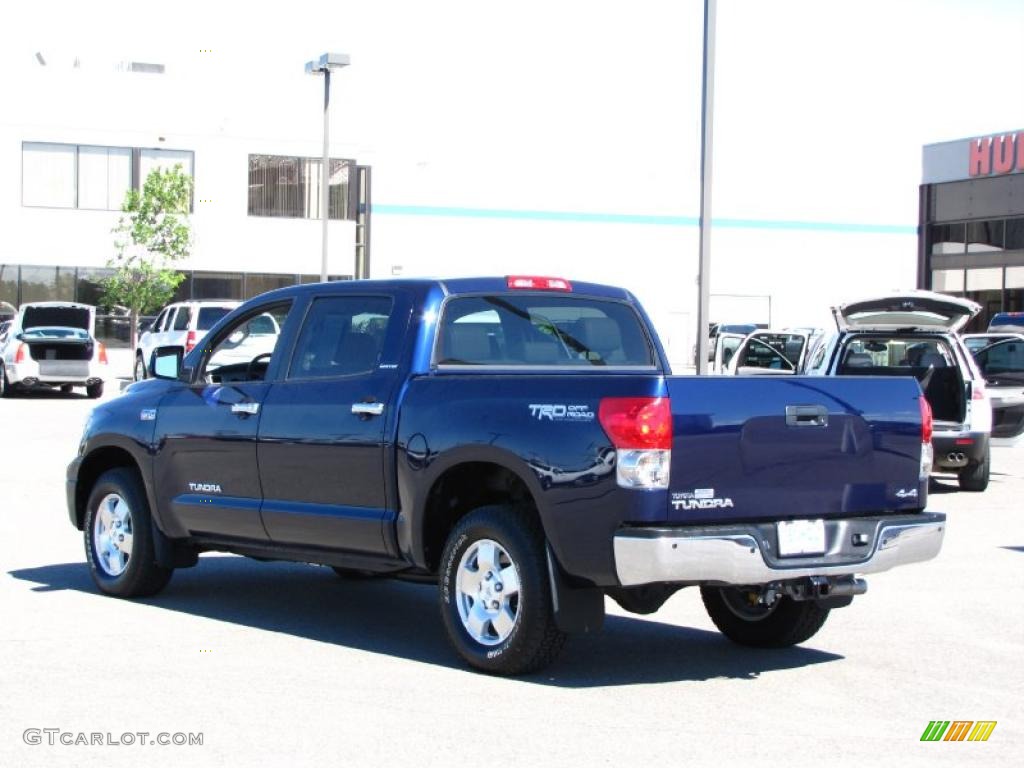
x=806, y=416
x=368, y=409
x=246, y=409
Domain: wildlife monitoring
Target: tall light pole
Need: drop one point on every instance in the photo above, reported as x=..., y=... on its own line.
x=707, y=110
x=324, y=65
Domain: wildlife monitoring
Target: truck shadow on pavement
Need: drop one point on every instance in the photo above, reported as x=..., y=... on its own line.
x=401, y=619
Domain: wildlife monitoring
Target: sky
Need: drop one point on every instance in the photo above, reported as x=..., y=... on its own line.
x=816, y=101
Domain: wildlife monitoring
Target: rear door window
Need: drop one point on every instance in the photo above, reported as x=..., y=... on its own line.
x=541, y=330
x=181, y=319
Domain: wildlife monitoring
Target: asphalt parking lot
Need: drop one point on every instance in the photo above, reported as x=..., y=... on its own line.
x=279, y=663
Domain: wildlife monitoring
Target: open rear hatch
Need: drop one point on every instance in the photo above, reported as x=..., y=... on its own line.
x=908, y=310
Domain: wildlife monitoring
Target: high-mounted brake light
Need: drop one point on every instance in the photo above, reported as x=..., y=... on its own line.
x=524, y=282
x=19, y=355
x=640, y=428
x=190, y=342
x=103, y=354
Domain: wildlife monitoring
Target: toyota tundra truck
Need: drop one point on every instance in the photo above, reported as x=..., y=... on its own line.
x=520, y=442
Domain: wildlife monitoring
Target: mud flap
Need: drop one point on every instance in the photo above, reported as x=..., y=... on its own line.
x=577, y=610
x=172, y=554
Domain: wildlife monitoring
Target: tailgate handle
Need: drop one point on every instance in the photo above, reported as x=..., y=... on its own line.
x=806, y=416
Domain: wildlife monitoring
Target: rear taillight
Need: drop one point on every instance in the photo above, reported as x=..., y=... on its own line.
x=103, y=354
x=640, y=428
x=927, y=452
x=977, y=391
x=926, y=420
x=19, y=355
x=524, y=282
x=190, y=342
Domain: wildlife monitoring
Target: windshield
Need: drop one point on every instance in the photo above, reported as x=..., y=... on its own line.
x=542, y=330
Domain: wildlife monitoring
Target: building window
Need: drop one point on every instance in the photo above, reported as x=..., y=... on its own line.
x=104, y=176
x=985, y=236
x=947, y=238
x=216, y=285
x=1015, y=234
x=86, y=176
x=256, y=283
x=48, y=175
x=948, y=280
x=289, y=187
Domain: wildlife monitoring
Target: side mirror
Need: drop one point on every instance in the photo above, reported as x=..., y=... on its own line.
x=166, y=362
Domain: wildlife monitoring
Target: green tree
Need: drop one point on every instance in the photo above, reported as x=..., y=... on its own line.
x=152, y=234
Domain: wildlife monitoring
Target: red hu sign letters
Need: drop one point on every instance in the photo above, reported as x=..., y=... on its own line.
x=995, y=155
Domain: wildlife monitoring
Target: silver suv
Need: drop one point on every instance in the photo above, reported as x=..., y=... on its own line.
x=914, y=333
x=183, y=324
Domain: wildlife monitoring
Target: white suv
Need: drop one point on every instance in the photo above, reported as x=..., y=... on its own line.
x=183, y=324
x=915, y=333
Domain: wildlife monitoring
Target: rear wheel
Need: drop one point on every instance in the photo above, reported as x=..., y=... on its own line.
x=743, y=618
x=119, y=537
x=975, y=477
x=495, y=594
x=94, y=390
x=140, y=368
x=5, y=385
x=67, y=389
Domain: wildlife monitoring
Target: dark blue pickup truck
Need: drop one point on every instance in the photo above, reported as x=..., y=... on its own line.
x=520, y=441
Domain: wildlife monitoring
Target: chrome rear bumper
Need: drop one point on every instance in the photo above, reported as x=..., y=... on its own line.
x=744, y=554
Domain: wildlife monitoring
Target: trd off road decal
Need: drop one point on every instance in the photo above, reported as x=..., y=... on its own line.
x=561, y=412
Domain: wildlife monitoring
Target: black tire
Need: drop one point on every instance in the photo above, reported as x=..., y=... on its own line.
x=975, y=477
x=139, y=373
x=535, y=641
x=788, y=622
x=66, y=389
x=94, y=391
x=5, y=385
x=141, y=576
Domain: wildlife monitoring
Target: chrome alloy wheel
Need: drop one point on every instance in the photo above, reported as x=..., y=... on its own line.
x=487, y=592
x=112, y=534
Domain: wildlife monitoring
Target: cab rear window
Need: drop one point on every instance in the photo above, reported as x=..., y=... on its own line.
x=527, y=330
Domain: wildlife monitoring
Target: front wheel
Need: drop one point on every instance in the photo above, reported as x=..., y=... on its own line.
x=94, y=391
x=743, y=618
x=495, y=594
x=975, y=478
x=119, y=537
x=5, y=385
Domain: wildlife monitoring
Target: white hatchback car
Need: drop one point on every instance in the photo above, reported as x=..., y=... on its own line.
x=183, y=324
x=52, y=344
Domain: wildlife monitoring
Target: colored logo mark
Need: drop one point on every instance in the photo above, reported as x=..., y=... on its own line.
x=958, y=730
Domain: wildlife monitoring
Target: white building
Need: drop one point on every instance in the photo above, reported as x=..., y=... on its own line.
x=561, y=139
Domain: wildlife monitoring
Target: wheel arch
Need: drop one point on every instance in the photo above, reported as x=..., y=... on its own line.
x=97, y=460
x=464, y=480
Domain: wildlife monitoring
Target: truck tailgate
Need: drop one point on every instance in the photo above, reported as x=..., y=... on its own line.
x=757, y=448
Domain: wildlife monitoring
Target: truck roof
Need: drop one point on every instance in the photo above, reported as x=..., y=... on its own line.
x=459, y=285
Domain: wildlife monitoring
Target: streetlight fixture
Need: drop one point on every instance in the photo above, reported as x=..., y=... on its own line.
x=324, y=65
